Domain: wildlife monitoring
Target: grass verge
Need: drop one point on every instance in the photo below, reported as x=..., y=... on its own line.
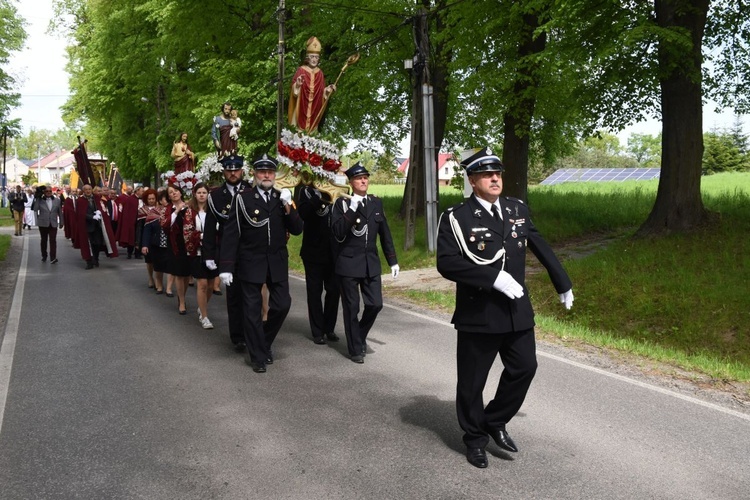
x=5, y=241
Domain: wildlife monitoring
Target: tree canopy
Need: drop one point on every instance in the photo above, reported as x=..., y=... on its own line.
x=12, y=39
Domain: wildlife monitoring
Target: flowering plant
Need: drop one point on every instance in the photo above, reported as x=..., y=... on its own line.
x=185, y=180
x=211, y=171
x=302, y=153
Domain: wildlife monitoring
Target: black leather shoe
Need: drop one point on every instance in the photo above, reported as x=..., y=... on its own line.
x=240, y=347
x=332, y=337
x=503, y=440
x=477, y=457
x=257, y=367
x=44, y=259
x=89, y=265
x=53, y=261
x=358, y=359
x=319, y=340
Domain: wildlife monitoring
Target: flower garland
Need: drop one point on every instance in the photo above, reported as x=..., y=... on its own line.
x=302, y=153
x=185, y=180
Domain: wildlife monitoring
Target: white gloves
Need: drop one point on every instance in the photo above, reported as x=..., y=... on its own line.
x=394, y=271
x=567, y=299
x=211, y=265
x=286, y=196
x=509, y=286
x=226, y=278
x=356, y=200
x=97, y=215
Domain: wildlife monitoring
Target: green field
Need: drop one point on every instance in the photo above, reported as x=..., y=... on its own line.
x=681, y=299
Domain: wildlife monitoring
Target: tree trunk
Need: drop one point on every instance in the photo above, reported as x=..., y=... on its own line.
x=678, y=205
x=517, y=120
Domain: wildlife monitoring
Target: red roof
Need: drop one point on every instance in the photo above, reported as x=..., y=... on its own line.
x=442, y=158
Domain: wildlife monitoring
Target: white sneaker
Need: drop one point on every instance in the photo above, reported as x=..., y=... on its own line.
x=207, y=325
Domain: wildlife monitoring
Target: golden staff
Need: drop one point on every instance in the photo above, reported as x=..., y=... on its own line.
x=349, y=61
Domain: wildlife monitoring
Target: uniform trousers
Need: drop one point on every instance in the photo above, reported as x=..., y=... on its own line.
x=319, y=276
x=48, y=233
x=476, y=352
x=357, y=329
x=235, y=312
x=259, y=336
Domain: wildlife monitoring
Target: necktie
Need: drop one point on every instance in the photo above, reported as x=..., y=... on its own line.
x=265, y=193
x=495, y=212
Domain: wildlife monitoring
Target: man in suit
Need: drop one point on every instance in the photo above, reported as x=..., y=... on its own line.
x=482, y=246
x=48, y=219
x=17, y=200
x=220, y=203
x=254, y=252
x=317, y=257
x=355, y=224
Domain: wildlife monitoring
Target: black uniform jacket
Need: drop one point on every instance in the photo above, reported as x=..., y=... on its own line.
x=219, y=207
x=316, y=237
x=467, y=230
x=255, y=237
x=355, y=251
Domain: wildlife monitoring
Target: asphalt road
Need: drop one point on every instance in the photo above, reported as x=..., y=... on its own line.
x=107, y=393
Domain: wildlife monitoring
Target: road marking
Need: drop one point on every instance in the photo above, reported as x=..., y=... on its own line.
x=11, y=332
x=615, y=376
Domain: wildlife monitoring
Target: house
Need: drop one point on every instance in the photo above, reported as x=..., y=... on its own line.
x=14, y=170
x=50, y=168
x=446, y=168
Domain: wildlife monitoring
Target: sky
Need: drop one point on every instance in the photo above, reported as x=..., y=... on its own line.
x=41, y=69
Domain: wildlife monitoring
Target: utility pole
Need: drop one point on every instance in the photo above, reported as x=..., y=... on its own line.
x=280, y=99
x=5, y=148
x=415, y=181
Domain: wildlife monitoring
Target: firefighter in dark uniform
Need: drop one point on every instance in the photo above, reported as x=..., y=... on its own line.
x=220, y=202
x=482, y=246
x=317, y=256
x=254, y=252
x=355, y=224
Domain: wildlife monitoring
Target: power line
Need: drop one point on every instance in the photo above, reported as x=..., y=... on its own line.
x=347, y=7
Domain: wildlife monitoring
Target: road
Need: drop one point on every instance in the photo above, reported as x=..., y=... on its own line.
x=106, y=392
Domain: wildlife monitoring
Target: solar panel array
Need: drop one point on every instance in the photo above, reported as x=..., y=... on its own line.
x=600, y=175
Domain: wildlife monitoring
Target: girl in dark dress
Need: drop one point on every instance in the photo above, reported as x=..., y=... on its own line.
x=176, y=216
x=204, y=277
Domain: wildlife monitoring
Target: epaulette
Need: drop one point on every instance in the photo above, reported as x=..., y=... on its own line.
x=510, y=198
x=450, y=209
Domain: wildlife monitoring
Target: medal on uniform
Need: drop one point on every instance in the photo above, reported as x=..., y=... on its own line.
x=514, y=234
x=472, y=238
x=520, y=245
x=481, y=246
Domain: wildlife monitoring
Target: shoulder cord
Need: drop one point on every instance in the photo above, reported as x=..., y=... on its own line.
x=458, y=234
x=264, y=222
x=216, y=213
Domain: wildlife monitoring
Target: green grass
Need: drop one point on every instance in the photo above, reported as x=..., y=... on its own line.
x=6, y=219
x=681, y=299
x=5, y=240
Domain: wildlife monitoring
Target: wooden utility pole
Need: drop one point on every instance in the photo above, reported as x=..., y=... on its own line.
x=280, y=99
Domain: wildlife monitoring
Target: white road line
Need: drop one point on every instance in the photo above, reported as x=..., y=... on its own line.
x=11, y=332
x=615, y=376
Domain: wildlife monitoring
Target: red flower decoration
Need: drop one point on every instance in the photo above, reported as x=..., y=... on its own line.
x=298, y=155
x=331, y=165
x=284, y=150
x=315, y=160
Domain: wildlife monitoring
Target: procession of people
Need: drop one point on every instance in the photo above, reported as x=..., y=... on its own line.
x=190, y=233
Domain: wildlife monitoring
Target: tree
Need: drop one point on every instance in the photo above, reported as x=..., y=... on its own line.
x=721, y=154
x=646, y=149
x=12, y=38
x=29, y=178
x=679, y=205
